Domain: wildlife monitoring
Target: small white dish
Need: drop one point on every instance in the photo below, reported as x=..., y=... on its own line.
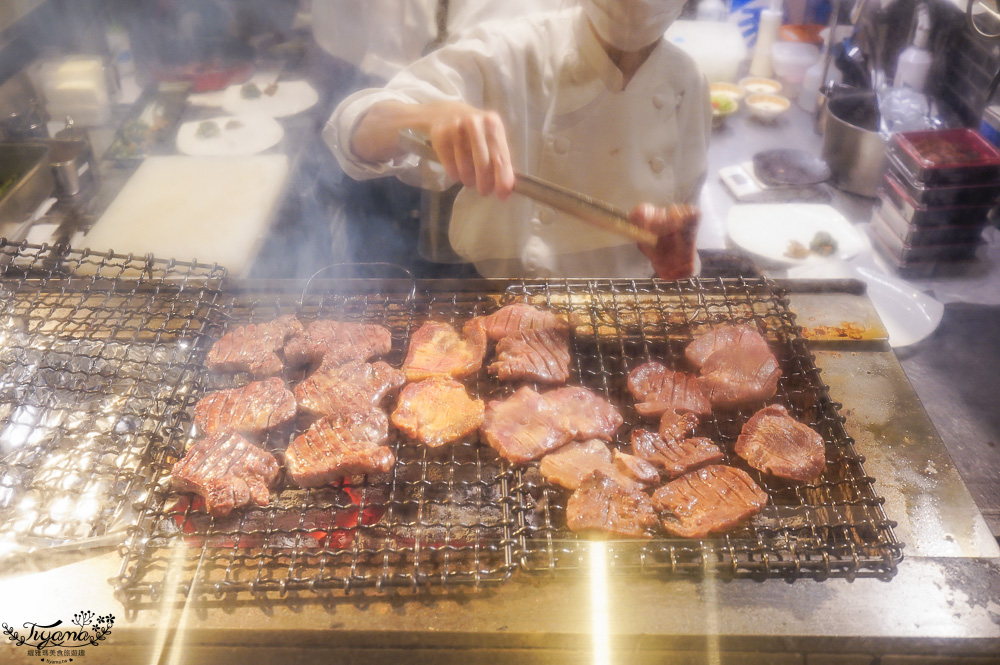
x=289, y=98
x=769, y=229
x=232, y=135
x=767, y=107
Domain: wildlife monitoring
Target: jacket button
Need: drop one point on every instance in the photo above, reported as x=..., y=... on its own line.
x=657, y=164
x=561, y=145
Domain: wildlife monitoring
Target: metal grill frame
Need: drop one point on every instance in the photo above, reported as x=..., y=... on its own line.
x=78, y=331
x=835, y=527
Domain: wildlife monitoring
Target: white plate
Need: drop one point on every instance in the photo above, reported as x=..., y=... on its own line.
x=290, y=98
x=907, y=314
x=245, y=134
x=767, y=229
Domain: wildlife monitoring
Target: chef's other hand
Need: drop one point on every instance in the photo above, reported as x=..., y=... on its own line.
x=676, y=227
x=471, y=144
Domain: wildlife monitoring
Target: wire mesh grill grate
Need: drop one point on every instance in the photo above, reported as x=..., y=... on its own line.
x=438, y=518
x=834, y=526
x=102, y=364
x=91, y=365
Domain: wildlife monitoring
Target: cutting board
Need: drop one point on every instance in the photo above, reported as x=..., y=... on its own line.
x=205, y=209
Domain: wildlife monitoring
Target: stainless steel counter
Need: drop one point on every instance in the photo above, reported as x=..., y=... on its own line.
x=943, y=604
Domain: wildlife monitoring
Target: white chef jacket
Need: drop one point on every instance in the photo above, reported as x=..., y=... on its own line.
x=381, y=37
x=568, y=120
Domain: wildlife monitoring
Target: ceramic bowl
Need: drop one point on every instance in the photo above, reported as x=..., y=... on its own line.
x=766, y=107
x=752, y=85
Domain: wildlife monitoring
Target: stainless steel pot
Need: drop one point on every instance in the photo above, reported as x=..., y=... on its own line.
x=852, y=145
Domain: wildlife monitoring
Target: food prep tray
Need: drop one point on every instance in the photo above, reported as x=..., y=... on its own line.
x=919, y=214
x=934, y=196
x=925, y=236
x=947, y=157
x=907, y=252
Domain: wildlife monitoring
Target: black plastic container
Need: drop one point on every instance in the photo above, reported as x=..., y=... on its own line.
x=924, y=236
x=933, y=196
x=918, y=214
x=947, y=157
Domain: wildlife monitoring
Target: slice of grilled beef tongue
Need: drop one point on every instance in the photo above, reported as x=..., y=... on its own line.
x=250, y=410
x=658, y=390
x=709, y=500
x=540, y=355
x=528, y=424
x=353, y=386
x=338, y=446
x=570, y=465
x=437, y=411
x=329, y=343
x=603, y=507
x=676, y=456
x=774, y=442
x=227, y=471
x=437, y=349
x=253, y=347
x=518, y=317
x=736, y=366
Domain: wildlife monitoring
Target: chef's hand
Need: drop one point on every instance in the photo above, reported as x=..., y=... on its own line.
x=470, y=143
x=676, y=226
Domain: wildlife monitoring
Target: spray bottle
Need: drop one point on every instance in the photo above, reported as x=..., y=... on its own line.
x=915, y=60
x=767, y=34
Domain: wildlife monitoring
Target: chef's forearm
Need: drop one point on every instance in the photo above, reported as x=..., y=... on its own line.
x=376, y=136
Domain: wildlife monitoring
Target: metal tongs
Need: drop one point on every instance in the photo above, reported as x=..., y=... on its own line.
x=593, y=211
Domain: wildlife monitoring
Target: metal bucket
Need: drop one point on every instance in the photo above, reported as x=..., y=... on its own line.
x=852, y=145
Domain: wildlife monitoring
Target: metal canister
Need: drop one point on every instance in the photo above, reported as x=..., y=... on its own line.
x=73, y=159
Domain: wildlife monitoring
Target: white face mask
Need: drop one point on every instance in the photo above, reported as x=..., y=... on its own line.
x=632, y=24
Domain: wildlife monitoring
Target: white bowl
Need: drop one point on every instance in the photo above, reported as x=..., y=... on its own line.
x=728, y=89
x=757, y=84
x=766, y=107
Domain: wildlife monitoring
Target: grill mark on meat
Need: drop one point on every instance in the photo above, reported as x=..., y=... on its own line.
x=540, y=354
x=353, y=386
x=437, y=411
x=253, y=347
x=676, y=456
x=774, y=442
x=528, y=424
x=227, y=471
x=437, y=349
x=338, y=446
x=519, y=317
x=657, y=389
x=603, y=507
x=736, y=366
x=250, y=410
x=330, y=343
x=712, y=499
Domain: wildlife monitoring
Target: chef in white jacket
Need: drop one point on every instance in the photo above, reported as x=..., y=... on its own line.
x=591, y=97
